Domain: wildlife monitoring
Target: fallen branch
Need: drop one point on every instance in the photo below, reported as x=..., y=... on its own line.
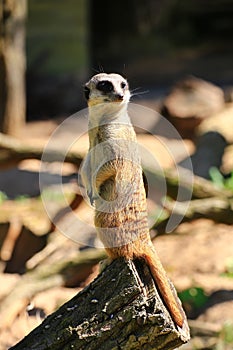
x=219, y=210
x=205, y=335
x=14, y=151
x=200, y=328
x=47, y=276
x=187, y=182
x=121, y=309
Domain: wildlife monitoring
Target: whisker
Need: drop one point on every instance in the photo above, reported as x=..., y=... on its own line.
x=101, y=68
x=139, y=93
x=95, y=70
x=135, y=89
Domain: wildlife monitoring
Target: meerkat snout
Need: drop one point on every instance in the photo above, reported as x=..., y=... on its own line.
x=107, y=87
x=102, y=88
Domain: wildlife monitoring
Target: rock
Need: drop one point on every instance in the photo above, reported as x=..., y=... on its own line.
x=221, y=122
x=209, y=153
x=190, y=102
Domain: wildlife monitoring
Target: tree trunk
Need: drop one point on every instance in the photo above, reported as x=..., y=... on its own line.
x=12, y=65
x=120, y=309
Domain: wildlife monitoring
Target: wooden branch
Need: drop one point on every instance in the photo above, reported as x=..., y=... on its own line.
x=14, y=151
x=120, y=309
x=205, y=329
x=199, y=188
x=217, y=209
x=44, y=277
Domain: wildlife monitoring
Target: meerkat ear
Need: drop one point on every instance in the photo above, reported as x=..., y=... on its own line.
x=86, y=92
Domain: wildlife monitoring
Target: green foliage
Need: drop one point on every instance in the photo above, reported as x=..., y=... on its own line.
x=227, y=332
x=228, y=268
x=219, y=180
x=229, y=182
x=193, y=298
x=3, y=197
x=225, y=341
x=21, y=198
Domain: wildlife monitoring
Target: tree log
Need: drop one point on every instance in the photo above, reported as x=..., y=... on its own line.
x=120, y=309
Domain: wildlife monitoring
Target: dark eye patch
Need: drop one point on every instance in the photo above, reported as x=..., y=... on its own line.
x=123, y=85
x=86, y=92
x=104, y=86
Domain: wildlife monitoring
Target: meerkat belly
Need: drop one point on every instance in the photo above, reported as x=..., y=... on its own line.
x=121, y=212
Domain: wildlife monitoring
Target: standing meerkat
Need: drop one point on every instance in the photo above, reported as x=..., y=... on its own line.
x=112, y=176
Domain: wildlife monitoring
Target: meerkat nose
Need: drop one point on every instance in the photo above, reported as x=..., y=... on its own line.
x=119, y=97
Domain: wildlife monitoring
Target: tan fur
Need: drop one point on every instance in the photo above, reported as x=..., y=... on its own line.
x=124, y=231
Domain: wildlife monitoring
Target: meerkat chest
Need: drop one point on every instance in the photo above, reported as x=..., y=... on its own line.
x=111, y=133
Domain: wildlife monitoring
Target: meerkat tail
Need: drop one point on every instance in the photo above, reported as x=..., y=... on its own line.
x=164, y=287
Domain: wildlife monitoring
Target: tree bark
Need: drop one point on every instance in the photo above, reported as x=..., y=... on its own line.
x=12, y=65
x=120, y=309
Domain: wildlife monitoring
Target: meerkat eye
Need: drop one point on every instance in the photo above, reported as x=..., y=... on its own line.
x=104, y=86
x=86, y=92
x=123, y=85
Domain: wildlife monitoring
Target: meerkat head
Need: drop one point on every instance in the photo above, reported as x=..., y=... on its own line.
x=106, y=88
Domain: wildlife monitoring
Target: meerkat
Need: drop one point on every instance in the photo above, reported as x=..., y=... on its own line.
x=113, y=178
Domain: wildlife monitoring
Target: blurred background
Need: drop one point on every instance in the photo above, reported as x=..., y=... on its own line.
x=177, y=56
x=152, y=43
